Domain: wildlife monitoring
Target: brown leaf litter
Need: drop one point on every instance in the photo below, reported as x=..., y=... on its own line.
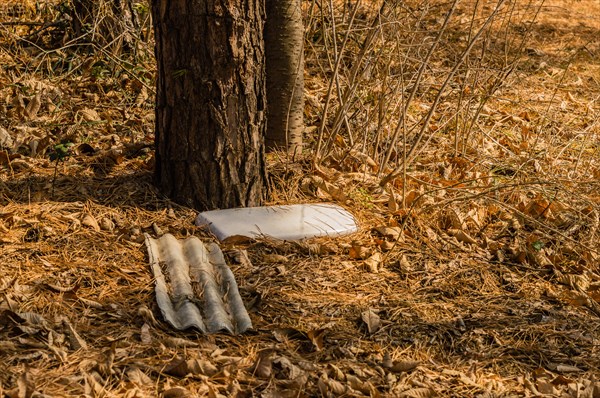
x=478, y=275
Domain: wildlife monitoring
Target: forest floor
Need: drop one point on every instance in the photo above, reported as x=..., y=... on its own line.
x=458, y=290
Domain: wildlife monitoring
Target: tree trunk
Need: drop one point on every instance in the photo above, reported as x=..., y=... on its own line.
x=210, y=119
x=284, y=40
x=111, y=24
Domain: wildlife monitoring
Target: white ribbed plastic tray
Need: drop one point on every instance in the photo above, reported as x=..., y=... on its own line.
x=194, y=286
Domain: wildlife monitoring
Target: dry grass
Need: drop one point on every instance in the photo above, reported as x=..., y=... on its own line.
x=476, y=271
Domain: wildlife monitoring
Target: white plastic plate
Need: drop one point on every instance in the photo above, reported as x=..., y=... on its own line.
x=290, y=222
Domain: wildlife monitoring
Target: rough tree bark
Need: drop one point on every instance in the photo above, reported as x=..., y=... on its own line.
x=284, y=44
x=210, y=119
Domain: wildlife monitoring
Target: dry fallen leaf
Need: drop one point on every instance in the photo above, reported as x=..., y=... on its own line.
x=89, y=221
x=405, y=265
x=107, y=224
x=403, y=366
x=178, y=367
x=89, y=115
x=25, y=387
x=178, y=342
x=389, y=232
x=372, y=320
x=392, y=203
x=316, y=338
x=419, y=392
x=327, y=386
x=263, y=367
x=33, y=106
x=177, y=392
x=462, y=236
x=75, y=340
x=136, y=376
x=360, y=251
x=201, y=366
x=239, y=256
x=545, y=387
x=145, y=335
x=357, y=384
x=373, y=263
x=274, y=258
x=6, y=140
x=576, y=282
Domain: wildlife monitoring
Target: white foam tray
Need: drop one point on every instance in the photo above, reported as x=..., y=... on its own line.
x=290, y=222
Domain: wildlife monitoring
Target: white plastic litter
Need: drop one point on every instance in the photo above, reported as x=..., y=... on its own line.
x=194, y=286
x=290, y=222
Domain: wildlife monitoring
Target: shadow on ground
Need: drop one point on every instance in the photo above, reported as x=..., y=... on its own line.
x=133, y=188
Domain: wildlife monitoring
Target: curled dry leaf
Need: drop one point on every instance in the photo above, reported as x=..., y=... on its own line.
x=419, y=392
x=178, y=342
x=7, y=346
x=73, y=221
x=411, y=197
x=20, y=165
x=90, y=303
x=576, y=282
x=89, y=115
x=6, y=140
x=202, y=366
x=360, y=251
x=336, y=372
x=372, y=320
x=462, y=236
x=403, y=366
x=284, y=334
x=239, y=256
x=329, y=386
x=386, y=246
x=89, y=221
x=157, y=230
x=141, y=97
x=94, y=385
x=274, y=258
x=178, y=367
x=263, y=366
x=373, y=263
x=145, y=335
x=285, y=369
x=107, y=224
x=326, y=189
x=176, y=392
x=225, y=360
x=25, y=387
x=405, y=265
x=75, y=340
x=237, y=240
x=357, y=384
x=452, y=219
x=136, y=376
x=545, y=387
x=592, y=389
x=393, y=233
x=33, y=106
x=84, y=149
x=318, y=249
x=316, y=337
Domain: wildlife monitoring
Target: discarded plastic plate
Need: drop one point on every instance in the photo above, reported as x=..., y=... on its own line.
x=289, y=222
